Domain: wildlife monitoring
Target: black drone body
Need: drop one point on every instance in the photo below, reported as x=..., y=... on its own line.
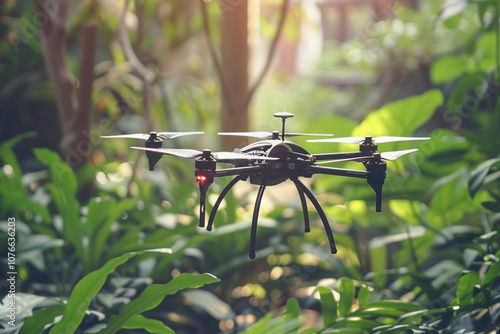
x=274, y=160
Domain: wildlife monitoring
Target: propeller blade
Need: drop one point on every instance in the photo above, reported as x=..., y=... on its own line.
x=376, y=140
x=391, y=156
x=294, y=134
x=162, y=135
x=188, y=153
x=181, y=153
x=389, y=139
x=264, y=134
x=172, y=135
x=255, y=134
x=347, y=140
x=131, y=136
x=231, y=156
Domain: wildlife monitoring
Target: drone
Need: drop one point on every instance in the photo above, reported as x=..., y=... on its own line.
x=273, y=160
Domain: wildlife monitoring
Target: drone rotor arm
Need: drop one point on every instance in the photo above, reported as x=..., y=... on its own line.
x=313, y=169
x=339, y=155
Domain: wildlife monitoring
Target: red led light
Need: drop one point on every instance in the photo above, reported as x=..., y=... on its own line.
x=201, y=179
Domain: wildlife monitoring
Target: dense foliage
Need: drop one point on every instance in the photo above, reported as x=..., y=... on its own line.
x=113, y=247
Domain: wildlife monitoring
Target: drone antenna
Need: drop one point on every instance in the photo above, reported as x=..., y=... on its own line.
x=283, y=116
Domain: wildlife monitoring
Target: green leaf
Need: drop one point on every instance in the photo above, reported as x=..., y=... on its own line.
x=452, y=9
x=9, y=158
x=153, y=295
x=492, y=274
x=292, y=308
x=63, y=190
x=363, y=295
x=37, y=322
x=346, y=291
x=467, y=94
x=85, y=290
x=447, y=68
x=356, y=323
x=150, y=325
x=492, y=206
x=450, y=199
x=61, y=172
x=103, y=212
x=465, y=288
x=210, y=303
x=378, y=260
x=478, y=175
x=328, y=305
x=395, y=304
x=402, y=117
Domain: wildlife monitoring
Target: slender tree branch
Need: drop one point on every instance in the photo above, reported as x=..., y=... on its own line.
x=213, y=54
x=272, y=51
x=52, y=36
x=134, y=62
x=148, y=80
x=74, y=105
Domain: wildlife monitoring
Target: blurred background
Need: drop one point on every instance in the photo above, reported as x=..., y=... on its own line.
x=72, y=71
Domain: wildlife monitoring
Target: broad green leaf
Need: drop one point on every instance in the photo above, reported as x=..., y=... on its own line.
x=450, y=199
x=394, y=304
x=492, y=206
x=63, y=190
x=37, y=322
x=451, y=11
x=400, y=118
x=378, y=312
x=356, y=322
x=465, y=288
x=149, y=325
x=447, y=68
x=328, y=305
x=346, y=291
x=260, y=325
x=61, y=172
x=153, y=295
x=101, y=217
x=210, y=303
x=478, y=175
x=364, y=295
x=9, y=158
x=292, y=308
x=486, y=48
x=408, y=211
x=378, y=260
x=467, y=94
x=492, y=274
x=85, y=290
